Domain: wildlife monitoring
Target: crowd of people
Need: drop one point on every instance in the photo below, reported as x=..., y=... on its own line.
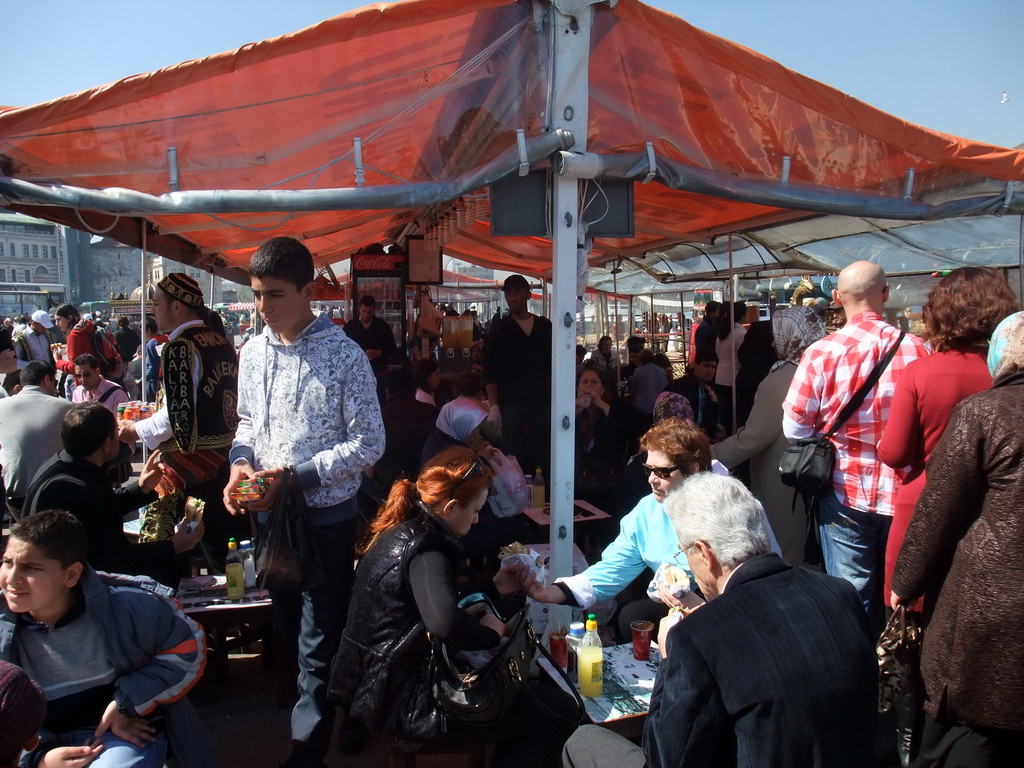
x=396, y=465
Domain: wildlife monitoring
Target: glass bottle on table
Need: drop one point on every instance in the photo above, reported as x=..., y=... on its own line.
x=590, y=661
x=235, y=572
x=538, y=490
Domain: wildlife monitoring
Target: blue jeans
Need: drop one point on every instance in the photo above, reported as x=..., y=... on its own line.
x=853, y=543
x=309, y=625
x=117, y=753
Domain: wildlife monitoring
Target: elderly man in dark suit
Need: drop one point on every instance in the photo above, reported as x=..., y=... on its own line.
x=776, y=670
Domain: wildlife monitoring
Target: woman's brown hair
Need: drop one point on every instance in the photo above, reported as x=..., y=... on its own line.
x=965, y=307
x=682, y=441
x=455, y=473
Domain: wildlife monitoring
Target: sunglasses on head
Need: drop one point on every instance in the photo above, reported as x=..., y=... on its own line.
x=476, y=469
x=662, y=473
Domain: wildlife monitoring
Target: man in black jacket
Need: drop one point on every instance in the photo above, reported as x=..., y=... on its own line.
x=696, y=386
x=778, y=669
x=76, y=480
x=517, y=373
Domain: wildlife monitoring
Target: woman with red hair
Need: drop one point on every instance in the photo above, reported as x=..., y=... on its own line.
x=962, y=312
x=405, y=588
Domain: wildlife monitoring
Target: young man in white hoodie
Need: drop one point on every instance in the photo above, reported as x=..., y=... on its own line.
x=306, y=399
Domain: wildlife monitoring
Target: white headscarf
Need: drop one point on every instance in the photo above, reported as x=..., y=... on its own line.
x=460, y=417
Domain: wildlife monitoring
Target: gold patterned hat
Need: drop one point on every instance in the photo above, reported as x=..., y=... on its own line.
x=180, y=286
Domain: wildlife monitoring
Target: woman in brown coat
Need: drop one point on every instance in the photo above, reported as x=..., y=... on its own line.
x=964, y=551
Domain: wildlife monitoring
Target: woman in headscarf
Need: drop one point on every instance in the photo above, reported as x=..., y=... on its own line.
x=761, y=440
x=964, y=553
x=463, y=423
x=962, y=311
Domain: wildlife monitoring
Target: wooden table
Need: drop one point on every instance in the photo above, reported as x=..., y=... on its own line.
x=626, y=695
x=583, y=513
x=204, y=600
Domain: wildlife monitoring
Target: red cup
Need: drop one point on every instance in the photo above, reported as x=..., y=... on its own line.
x=559, y=650
x=642, y=631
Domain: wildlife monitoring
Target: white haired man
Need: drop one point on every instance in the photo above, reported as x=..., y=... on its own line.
x=777, y=669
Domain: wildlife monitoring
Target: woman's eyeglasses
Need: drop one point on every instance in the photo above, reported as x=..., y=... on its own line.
x=662, y=473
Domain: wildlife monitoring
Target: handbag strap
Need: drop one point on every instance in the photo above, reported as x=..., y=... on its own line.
x=568, y=683
x=858, y=398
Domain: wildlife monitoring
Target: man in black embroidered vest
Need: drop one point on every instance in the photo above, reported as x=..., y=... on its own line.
x=196, y=421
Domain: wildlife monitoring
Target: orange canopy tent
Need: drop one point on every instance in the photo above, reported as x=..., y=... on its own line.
x=393, y=120
x=396, y=119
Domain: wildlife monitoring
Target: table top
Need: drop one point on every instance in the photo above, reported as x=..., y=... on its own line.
x=583, y=512
x=628, y=684
x=199, y=594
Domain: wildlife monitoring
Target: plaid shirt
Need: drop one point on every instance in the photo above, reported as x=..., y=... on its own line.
x=830, y=372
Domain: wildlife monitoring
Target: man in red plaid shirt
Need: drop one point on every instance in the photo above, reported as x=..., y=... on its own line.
x=856, y=513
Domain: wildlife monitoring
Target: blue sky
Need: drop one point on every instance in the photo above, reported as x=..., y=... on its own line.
x=943, y=64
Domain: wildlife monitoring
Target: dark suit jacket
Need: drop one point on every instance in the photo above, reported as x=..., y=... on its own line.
x=778, y=671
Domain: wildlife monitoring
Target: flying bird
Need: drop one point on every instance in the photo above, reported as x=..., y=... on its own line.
x=1006, y=98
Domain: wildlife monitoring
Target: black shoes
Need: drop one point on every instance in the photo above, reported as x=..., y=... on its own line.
x=353, y=737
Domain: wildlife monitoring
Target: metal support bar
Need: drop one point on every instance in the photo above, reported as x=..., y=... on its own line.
x=652, y=164
x=172, y=165
x=385, y=196
x=524, y=163
x=908, y=187
x=571, y=41
x=357, y=152
x=786, y=162
x=1006, y=200
x=143, y=294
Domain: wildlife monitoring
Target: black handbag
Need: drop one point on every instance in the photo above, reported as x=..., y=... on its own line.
x=482, y=696
x=807, y=464
x=287, y=555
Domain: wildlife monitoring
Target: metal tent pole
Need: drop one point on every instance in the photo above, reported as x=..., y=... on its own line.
x=143, y=283
x=571, y=21
x=615, y=327
x=732, y=334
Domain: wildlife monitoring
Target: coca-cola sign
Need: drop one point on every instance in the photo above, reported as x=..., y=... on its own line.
x=377, y=262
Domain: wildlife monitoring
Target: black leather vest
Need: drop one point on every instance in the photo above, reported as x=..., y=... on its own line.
x=212, y=421
x=380, y=674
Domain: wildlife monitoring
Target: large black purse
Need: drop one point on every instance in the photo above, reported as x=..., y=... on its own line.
x=807, y=464
x=482, y=696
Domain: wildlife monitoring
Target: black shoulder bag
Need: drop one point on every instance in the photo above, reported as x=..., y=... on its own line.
x=483, y=695
x=807, y=464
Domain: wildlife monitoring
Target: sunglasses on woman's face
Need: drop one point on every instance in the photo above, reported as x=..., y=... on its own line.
x=662, y=473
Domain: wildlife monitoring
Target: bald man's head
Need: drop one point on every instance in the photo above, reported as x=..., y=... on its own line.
x=862, y=285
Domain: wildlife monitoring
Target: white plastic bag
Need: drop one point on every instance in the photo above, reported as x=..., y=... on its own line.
x=510, y=494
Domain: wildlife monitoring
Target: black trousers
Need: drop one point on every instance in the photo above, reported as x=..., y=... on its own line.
x=946, y=744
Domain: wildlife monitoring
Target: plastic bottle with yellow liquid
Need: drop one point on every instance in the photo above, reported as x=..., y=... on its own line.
x=235, y=572
x=590, y=661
